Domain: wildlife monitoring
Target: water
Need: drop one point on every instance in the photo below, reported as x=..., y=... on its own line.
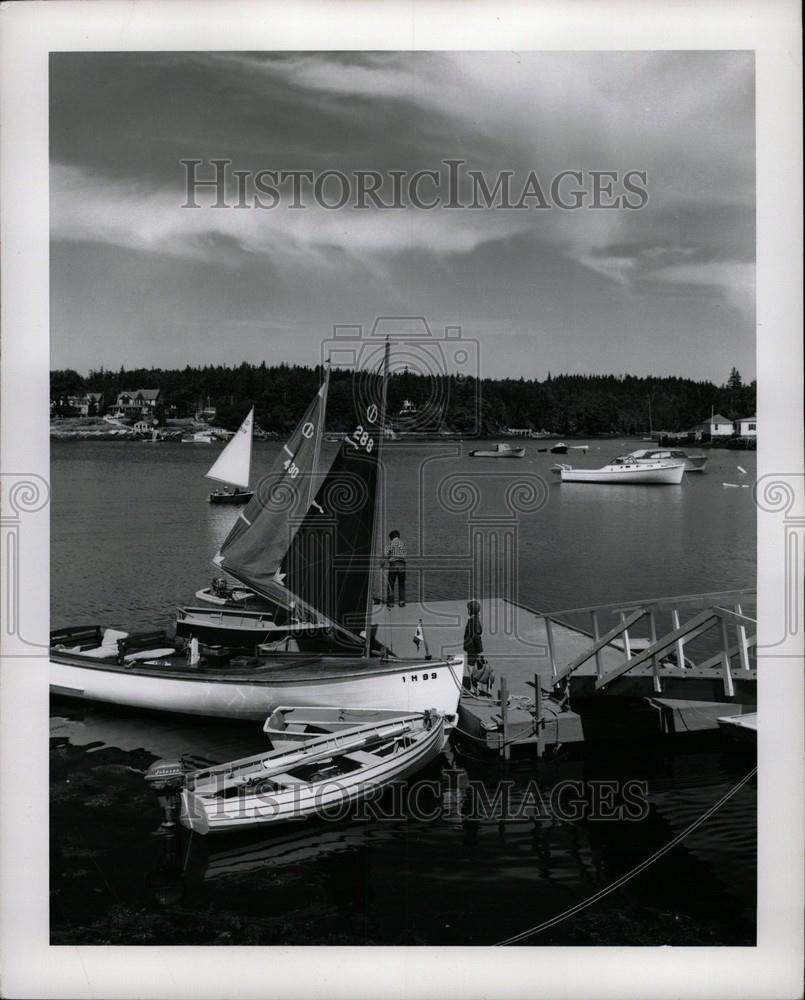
x=131, y=539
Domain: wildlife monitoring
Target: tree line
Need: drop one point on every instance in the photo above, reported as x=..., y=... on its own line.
x=561, y=404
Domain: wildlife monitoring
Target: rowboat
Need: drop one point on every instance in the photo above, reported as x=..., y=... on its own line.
x=290, y=726
x=694, y=462
x=149, y=671
x=624, y=471
x=503, y=450
x=323, y=776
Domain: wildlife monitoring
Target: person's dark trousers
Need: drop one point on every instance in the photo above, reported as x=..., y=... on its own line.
x=396, y=575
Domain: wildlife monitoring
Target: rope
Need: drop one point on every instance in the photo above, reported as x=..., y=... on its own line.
x=573, y=910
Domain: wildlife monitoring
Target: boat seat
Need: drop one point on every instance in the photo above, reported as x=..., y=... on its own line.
x=362, y=757
x=108, y=646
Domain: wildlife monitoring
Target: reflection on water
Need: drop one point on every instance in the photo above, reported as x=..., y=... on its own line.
x=419, y=865
x=132, y=535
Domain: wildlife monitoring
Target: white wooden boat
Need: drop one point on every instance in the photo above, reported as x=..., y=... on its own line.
x=694, y=461
x=502, y=450
x=290, y=726
x=623, y=471
x=148, y=672
x=323, y=776
x=199, y=437
x=222, y=594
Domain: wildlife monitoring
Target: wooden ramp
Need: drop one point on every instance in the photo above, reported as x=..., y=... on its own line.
x=557, y=683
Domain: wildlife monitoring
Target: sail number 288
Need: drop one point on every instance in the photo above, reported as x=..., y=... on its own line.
x=362, y=439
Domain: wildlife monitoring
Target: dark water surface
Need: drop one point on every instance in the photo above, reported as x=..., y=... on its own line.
x=132, y=537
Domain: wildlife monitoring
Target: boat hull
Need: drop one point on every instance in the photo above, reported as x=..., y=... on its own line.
x=231, y=498
x=409, y=686
x=633, y=474
x=508, y=453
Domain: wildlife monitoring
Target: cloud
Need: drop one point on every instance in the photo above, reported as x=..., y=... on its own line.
x=91, y=209
x=735, y=280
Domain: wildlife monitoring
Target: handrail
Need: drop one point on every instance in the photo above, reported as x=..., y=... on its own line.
x=657, y=604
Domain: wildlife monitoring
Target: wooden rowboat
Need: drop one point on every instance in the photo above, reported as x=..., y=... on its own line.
x=291, y=726
x=322, y=777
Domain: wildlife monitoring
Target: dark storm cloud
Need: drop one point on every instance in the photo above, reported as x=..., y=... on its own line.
x=120, y=124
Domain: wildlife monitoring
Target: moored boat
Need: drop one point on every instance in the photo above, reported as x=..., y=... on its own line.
x=502, y=450
x=321, y=776
x=289, y=726
x=152, y=672
x=694, y=461
x=623, y=471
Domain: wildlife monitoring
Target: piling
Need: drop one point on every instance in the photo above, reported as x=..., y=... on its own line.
x=505, y=749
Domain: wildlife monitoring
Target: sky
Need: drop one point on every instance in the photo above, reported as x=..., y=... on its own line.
x=665, y=289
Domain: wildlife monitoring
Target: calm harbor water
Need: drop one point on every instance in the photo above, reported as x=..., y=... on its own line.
x=132, y=536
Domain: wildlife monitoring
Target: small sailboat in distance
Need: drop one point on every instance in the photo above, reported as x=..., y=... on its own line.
x=233, y=466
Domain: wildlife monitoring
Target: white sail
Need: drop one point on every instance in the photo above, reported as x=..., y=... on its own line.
x=234, y=462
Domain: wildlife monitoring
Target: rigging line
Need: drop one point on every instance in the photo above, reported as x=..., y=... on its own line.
x=630, y=874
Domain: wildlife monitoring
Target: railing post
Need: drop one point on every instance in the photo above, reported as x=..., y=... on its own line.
x=680, y=645
x=599, y=667
x=539, y=723
x=551, y=650
x=655, y=660
x=504, y=716
x=743, y=646
x=729, y=689
x=627, y=646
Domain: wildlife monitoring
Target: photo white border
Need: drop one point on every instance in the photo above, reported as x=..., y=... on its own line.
x=32, y=968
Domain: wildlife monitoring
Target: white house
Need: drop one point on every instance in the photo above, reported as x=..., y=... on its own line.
x=139, y=402
x=746, y=427
x=715, y=426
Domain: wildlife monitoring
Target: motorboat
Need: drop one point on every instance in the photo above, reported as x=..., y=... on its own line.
x=624, y=470
x=199, y=437
x=694, y=462
x=502, y=450
x=323, y=776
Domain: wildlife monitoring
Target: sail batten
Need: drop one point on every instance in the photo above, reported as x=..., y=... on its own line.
x=233, y=465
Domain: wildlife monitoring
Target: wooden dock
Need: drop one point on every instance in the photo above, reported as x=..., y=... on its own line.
x=559, y=683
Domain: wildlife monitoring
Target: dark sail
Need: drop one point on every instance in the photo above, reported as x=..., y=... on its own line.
x=260, y=537
x=329, y=564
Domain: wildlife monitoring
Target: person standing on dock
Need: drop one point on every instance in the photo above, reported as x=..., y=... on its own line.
x=396, y=555
x=481, y=675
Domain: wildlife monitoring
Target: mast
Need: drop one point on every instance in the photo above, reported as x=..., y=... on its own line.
x=314, y=465
x=380, y=441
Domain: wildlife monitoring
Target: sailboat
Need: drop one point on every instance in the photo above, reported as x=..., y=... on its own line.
x=233, y=466
x=315, y=571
